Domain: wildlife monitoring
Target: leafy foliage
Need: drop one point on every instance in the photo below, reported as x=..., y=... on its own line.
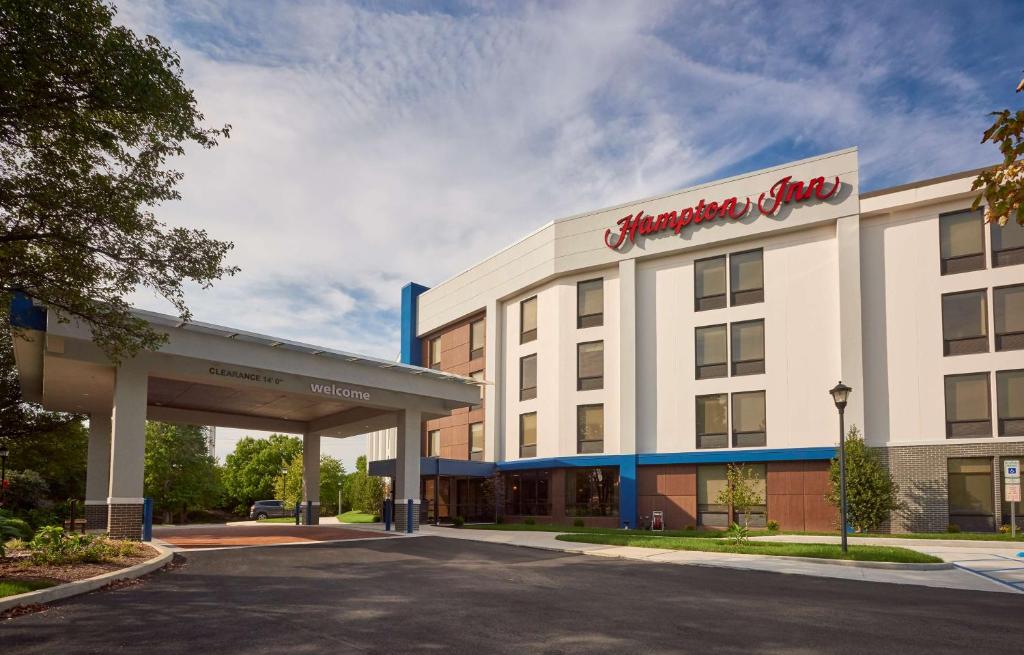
x=288, y=485
x=741, y=491
x=26, y=491
x=89, y=117
x=181, y=475
x=737, y=534
x=1002, y=186
x=12, y=528
x=363, y=492
x=51, y=545
x=871, y=494
x=59, y=455
x=250, y=471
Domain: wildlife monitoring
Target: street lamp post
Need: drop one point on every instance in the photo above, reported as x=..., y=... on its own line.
x=840, y=393
x=3, y=471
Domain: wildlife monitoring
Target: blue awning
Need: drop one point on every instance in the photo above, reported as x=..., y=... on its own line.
x=436, y=466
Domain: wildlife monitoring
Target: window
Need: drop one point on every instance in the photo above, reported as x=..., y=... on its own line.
x=1008, y=243
x=711, y=352
x=478, y=376
x=527, y=493
x=711, y=481
x=528, y=320
x=971, y=501
x=758, y=513
x=435, y=352
x=434, y=443
x=965, y=323
x=709, y=283
x=528, y=435
x=528, y=377
x=476, y=442
x=590, y=303
x=476, y=339
x=961, y=242
x=746, y=277
x=592, y=491
x=748, y=420
x=968, y=406
x=748, y=347
x=713, y=421
x=1008, y=303
x=1010, y=402
x=590, y=429
x=590, y=365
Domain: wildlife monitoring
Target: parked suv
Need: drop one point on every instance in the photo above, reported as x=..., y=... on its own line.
x=267, y=509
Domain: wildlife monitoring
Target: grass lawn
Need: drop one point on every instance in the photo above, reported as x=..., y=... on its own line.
x=821, y=551
x=279, y=519
x=564, y=529
x=357, y=517
x=968, y=536
x=13, y=587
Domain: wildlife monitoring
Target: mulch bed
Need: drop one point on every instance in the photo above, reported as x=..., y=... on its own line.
x=18, y=566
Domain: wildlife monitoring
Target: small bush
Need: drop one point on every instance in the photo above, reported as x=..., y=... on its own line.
x=529, y=521
x=459, y=522
x=953, y=527
x=689, y=526
x=578, y=523
x=773, y=526
x=52, y=545
x=737, y=534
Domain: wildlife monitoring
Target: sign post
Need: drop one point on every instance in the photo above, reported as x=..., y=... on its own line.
x=1011, y=490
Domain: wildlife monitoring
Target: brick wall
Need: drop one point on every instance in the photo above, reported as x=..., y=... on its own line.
x=125, y=522
x=455, y=358
x=96, y=517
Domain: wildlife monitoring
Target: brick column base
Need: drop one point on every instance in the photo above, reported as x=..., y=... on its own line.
x=124, y=521
x=314, y=519
x=96, y=515
x=402, y=515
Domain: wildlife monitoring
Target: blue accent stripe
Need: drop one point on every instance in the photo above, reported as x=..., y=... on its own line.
x=740, y=455
x=26, y=315
x=412, y=351
x=627, y=492
x=573, y=461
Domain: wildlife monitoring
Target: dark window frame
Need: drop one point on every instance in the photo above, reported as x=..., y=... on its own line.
x=476, y=353
x=527, y=393
x=751, y=296
x=608, y=491
x=1005, y=256
x=698, y=372
x=582, y=382
x=718, y=300
x=526, y=336
x=749, y=366
x=588, y=320
x=964, y=345
x=1005, y=341
x=580, y=448
x=977, y=424
x=520, y=503
x=737, y=435
x=430, y=443
x=718, y=436
x=430, y=353
x=523, y=453
x=968, y=513
x=1016, y=422
x=962, y=263
x=476, y=455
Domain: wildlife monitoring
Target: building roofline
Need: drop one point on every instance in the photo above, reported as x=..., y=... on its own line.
x=923, y=183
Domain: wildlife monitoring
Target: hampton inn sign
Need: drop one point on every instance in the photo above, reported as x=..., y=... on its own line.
x=783, y=192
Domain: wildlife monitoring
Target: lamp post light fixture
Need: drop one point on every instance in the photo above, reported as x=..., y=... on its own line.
x=840, y=393
x=3, y=471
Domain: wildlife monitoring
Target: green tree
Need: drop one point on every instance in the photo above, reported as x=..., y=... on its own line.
x=58, y=454
x=742, y=491
x=250, y=471
x=181, y=475
x=871, y=494
x=288, y=485
x=1002, y=186
x=26, y=491
x=90, y=116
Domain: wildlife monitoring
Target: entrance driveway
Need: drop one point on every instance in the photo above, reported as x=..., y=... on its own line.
x=263, y=534
x=444, y=595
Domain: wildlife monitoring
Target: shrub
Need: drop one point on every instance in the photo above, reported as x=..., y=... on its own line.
x=458, y=521
x=953, y=527
x=11, y=528
x=737, y=534
x=529, y=521
x=578, y=523
x=741, y=491
x=773, y=526
x=871, y=494
x=52, y=545
x=689, y=526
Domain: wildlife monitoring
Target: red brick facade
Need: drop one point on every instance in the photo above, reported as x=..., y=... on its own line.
x=455, y=358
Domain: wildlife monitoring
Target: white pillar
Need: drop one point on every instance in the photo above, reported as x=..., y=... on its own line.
x=97, y=471
x=127, y=451
x=311, y=476
x=851, y=340
x=407, y=469
x=493, y=371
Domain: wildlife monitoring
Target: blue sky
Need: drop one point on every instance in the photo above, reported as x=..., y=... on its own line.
x=380, y=142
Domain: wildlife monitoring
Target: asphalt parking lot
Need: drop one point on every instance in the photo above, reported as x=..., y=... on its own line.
x=445, y=595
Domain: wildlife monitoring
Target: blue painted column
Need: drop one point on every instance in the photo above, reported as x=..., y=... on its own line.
x=147, y=519
x=627, y=492
x=412, y=351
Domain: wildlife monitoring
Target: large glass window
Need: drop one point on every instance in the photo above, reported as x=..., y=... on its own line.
x=971, y=494
x=746, y=277
x=592, y=491
x=758, y=513
x=1010, y=402
x=1007, y=244
x=477, y=335
x=713, y=421
x=965, y=322
x=711, y=481
x=590, y=365
x=528, y=435
x=968, y=406
x=528, y=320
x=590, y=303
x=748, y=420
x=435, y=352
x=962, y=242
x=434, y=443
x=590, y=429
x=748, y=347
x=1008, y=303
x=476, y=442
x=712, y=346
x=479, y=377
x=528, y=377
x=527, y=493
x=709, y=283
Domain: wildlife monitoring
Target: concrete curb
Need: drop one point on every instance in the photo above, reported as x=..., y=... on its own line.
x=78, y=587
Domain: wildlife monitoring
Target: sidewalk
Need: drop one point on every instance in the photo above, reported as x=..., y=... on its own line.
x=983, y=577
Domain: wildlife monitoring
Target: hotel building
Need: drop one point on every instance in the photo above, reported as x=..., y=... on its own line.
x=629, y=354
